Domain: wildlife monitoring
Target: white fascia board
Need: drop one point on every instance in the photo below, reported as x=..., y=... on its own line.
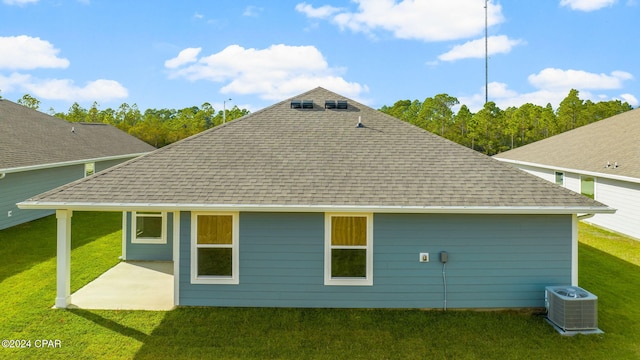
x=570, y=170
x=558, y=210
x=69, y=163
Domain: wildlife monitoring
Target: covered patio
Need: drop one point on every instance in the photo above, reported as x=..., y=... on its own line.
x=134, y=285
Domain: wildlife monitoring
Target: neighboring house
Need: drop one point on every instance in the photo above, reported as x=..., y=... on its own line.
x=600, y=160
x=39, y=152
x=320, y=201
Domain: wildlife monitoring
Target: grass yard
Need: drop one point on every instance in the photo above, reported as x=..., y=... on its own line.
x=609, y=267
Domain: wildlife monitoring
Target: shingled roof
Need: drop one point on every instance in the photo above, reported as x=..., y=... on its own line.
x=31, y=138
x=589, y=148
x=283, y=158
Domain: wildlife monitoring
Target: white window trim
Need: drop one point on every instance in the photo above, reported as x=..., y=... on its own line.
x=234, y=279
x=328, y=280
x=138, y=240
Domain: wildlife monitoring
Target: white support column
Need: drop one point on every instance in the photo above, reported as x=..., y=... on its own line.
x=125, y=230
x=176, y=258
x=574, y=250
x=63, y=272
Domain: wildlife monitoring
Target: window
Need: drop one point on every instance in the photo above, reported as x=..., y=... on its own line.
x=587, y=186
x=214, y=248
x=348, y=249
x=148, y=228
x=89, y=169
x=560, y=178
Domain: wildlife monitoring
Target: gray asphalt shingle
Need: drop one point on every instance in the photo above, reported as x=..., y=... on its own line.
x=590, y=147
x=30, y=138
x=280, y=156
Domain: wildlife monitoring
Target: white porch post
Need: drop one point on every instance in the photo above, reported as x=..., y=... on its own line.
x=176, y=258
x=574, y=250
x=63, y=296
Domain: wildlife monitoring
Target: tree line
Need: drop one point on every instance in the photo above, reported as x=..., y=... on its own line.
x=492, y=130
x=158, y=127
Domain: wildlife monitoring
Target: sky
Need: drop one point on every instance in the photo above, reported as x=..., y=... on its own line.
x=251, y=54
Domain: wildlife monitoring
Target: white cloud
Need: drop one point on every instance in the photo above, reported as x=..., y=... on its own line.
x=28, y=53
x=12, y=82
x=587, y=5
x=274, y=73
x=19, y=2
x=321, y=12
x=552, y=86
x=504, y=97
x=434, y=20
x=25, y=52
x=186, y=56
x=63, y=89
x=252, y=11
x=632, y=100
x=476, y=48
x=551, y=78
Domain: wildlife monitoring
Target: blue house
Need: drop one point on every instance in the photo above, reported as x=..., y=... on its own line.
x=41, y=152
x=320, y=201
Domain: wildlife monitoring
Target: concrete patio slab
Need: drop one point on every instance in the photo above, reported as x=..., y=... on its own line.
x=134, y=285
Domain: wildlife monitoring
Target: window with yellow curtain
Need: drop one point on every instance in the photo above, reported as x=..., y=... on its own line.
x=215, y=247
x=348, y=250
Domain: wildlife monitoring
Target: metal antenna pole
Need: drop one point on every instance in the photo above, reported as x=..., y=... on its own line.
x=224, y=111
x=486, y=54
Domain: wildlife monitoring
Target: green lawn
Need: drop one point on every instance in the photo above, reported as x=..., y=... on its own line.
x=610, y=268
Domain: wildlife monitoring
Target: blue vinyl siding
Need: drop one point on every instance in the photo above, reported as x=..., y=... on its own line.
x=20, y=186
x=495, y=261
x=150, y=252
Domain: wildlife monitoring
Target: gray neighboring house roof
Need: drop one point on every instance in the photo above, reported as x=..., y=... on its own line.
x=281, y=158
x=31, y=138
x=589, y=148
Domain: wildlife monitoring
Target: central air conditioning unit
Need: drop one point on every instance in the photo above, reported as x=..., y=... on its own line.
x=571, y=308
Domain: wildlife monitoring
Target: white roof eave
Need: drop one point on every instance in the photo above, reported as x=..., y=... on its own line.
x=314, y=208
x=570, y=170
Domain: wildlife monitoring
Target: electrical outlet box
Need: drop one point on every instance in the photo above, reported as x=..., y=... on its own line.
x=9, y=213
x=424, y=257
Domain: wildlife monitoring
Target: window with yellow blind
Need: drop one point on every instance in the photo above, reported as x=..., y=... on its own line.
x=214, y=248
x=348, y=249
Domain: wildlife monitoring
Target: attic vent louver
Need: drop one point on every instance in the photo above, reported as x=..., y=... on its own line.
x=307, y=104
x=330, y=104
x=342, y=104
x=296, y=104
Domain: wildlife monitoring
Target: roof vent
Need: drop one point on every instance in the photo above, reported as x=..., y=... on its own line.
x=330, y=104
x=360, y=125
x=342, y=104
x=307, y=104
x=296, y=104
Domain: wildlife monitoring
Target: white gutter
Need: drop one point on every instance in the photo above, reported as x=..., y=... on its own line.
x=583, y=172
x=586, y=216
x=2, y=175
x=78, y=206
x=67, y=163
